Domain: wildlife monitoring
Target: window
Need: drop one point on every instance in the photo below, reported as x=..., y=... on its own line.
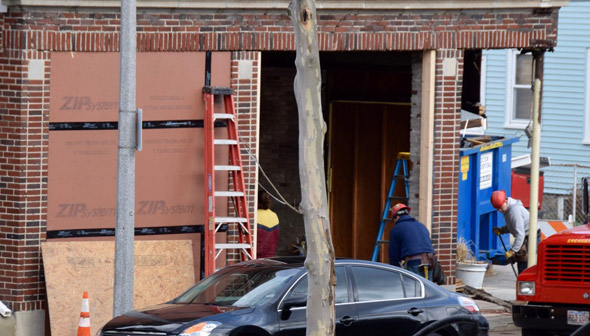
x=239, y=287
x=519, y=94
x=375, y=284
x=412, y=286
x=300, y=289
x=341, y=295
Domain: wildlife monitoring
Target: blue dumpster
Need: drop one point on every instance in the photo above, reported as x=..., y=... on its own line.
x=483, y=168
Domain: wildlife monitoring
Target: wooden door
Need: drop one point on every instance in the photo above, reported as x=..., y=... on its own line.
x=364, y=140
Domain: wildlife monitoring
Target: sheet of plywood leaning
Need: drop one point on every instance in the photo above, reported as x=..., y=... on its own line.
x=163, y=270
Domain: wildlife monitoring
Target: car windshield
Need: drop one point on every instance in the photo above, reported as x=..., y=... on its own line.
x=240, y=287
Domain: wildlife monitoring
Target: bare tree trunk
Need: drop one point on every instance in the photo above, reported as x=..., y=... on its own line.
x=314, y=204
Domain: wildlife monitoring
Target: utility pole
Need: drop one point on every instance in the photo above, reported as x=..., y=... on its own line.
x=534, y=189
x=124, y=231
x=539, y=62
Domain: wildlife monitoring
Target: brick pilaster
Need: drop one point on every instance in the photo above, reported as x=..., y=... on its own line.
x=449, y=79
x=245, y=80
x=24, y=107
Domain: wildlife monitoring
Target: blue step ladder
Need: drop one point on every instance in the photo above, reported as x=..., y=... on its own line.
x=401, y=163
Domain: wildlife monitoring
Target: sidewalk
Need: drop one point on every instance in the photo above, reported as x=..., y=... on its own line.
x=501, y=283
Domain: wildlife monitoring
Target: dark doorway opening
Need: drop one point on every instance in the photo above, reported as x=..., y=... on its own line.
x=366, y=105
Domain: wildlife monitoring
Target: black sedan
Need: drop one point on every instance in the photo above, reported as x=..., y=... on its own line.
x=268, y=297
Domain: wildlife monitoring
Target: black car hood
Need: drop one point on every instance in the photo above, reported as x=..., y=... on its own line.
x=169, y=316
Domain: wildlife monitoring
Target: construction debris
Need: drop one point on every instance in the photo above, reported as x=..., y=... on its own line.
x=480, y=294
x=476, y=141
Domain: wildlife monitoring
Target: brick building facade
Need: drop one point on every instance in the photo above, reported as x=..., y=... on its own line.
x=33, y=30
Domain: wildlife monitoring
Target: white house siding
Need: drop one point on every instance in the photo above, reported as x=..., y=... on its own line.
x=564, y=99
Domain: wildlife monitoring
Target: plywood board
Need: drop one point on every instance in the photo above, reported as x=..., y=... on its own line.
x=367, y=187
x=168, y=180
x=427, y=137
x=169, y=170
x=163, y=270
x=85, y=86
x=365, y=139
x=342, y=130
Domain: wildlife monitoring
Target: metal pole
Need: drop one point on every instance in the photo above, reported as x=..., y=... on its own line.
x=560, y=201
x=534, y=195
x=575, y=196
x=123, y=289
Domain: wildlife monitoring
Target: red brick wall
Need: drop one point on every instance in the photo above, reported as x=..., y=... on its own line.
x=446, y=156
x=61, y=31
x=24, y=105
x=246, y=99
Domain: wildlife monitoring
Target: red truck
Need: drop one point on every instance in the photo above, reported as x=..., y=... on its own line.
x=553, y=297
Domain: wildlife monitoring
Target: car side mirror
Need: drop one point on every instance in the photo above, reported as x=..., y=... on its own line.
x=290, y=302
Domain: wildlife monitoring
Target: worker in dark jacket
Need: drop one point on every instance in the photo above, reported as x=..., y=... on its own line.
x=409, y=243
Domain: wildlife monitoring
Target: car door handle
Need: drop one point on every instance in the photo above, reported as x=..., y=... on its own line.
x=347, y=320
x=415, y=311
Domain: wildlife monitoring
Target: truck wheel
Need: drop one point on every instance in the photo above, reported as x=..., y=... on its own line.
x=533, y=332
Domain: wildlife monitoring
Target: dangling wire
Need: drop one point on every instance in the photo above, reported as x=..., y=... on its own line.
x=282, y=199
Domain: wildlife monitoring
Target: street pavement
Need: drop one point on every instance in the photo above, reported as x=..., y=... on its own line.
x=501, y=283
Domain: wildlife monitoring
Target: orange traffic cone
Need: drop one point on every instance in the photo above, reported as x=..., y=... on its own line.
x=84, y=325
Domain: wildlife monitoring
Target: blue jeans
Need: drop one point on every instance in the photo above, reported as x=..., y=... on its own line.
x=414, y=266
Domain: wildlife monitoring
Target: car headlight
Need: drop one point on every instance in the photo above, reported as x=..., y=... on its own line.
x=526, y=288
x=201, y=329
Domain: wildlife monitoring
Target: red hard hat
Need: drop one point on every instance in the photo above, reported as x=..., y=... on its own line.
x=498, y=198
x=398, y=207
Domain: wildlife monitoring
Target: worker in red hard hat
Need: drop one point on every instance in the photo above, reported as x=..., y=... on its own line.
x=516, y=217
x=409, y=243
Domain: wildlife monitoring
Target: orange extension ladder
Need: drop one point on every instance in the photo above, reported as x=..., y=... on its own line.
x=243, y=243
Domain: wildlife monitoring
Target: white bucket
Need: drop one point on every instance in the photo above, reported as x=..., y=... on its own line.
x=472, y=273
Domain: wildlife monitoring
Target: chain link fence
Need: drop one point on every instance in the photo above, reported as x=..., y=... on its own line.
x=562, y=195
